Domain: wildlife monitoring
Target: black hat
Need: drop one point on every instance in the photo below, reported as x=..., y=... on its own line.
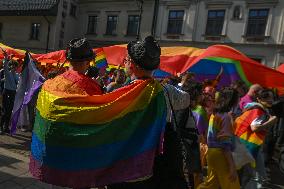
x=146, y=53
x=79, y=49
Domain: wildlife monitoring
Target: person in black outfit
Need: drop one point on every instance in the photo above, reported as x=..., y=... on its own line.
x=9, y=92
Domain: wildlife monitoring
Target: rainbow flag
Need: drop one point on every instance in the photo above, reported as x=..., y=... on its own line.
x=206, y=64
x=89, y=141
x=252, y=140
x=101, y=61
x=201, y=119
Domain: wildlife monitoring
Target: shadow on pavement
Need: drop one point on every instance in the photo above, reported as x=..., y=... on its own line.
x=19, y=143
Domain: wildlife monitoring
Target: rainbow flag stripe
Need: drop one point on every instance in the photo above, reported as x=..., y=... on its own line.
x=208, y=68
x=89, y=141
x=252, y=140
x=101, y=61
x=201, y=118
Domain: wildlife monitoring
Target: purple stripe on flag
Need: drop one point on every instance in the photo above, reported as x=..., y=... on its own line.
x=30, y=82
x=124, y=170
x=33, y=91
x=226, y=79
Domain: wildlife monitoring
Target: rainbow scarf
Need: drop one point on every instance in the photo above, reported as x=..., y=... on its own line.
x=252, y=140
x=88, y=141
x=201, y=118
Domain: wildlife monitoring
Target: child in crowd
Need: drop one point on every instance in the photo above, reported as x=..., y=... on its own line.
x=252, y=127
x=221, y=169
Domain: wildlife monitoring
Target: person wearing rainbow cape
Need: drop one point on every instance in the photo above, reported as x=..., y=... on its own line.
x=83, y=138
x=142, y=58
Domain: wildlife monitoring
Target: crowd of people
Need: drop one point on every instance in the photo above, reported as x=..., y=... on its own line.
x=205, y=123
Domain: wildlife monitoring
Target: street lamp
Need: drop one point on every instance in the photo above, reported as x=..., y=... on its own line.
x=140, y=7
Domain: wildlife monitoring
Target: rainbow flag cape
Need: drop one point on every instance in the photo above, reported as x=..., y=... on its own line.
x=88, y=141
x=252, y=140
x=201, y=118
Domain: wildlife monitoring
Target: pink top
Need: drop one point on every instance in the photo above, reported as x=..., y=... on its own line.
x=244, y=101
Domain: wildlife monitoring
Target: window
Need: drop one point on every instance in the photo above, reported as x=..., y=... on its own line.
x=111, y=25
x=73, y=10
x=1, y=27
x=133, y=23
x=35, y=31
x=215, y=22
x=257, y=22
x=175, y=21
x=92, y=24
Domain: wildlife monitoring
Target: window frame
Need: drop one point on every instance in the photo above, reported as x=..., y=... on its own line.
x=114, y=31
x=134, y=22
x=176, y=31
x=220, y=33
x=95, y=27
x=247, y=34
x=35, y=27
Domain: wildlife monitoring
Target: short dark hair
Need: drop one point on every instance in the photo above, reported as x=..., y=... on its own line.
x=227, y=98
x=146, y=54
x=193, y=88
x=264, y=93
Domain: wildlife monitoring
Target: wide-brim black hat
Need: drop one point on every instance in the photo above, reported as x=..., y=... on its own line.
x=146, y=53
x=79, y=49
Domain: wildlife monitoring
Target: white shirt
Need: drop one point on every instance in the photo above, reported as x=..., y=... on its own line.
x=179, y=99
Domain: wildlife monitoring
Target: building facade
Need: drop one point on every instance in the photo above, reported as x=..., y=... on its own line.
x=28, y=25
x=254, y=27
x=114, y=21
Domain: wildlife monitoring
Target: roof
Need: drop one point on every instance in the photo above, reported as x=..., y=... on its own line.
x=28, y=7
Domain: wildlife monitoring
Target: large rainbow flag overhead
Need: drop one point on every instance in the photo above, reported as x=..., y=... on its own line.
x=88, y=141
x=205, y=63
